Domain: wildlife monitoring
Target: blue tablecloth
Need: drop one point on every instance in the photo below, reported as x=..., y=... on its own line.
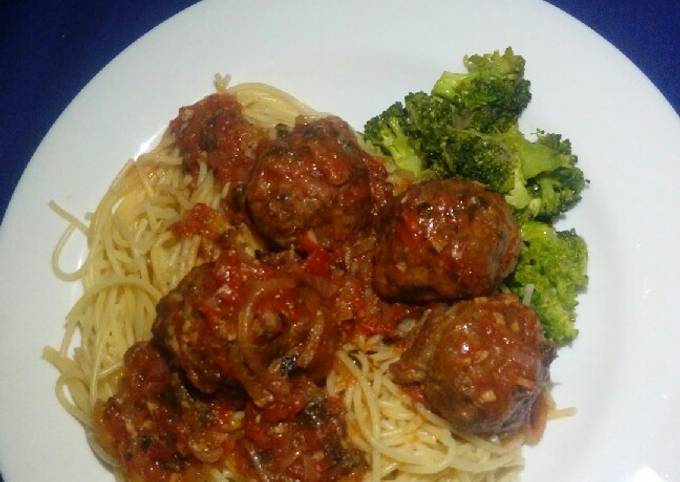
x=50, y=49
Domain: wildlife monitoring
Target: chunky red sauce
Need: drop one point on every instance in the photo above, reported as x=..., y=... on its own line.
x=214, y=131
x=233, y=377
x=159, y=429
x=163, y=431
x=201, y=220
x=303, y=441
x=349, y=273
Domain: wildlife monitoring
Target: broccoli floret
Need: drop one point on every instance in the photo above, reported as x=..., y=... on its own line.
x=430, y=115
x=468, y=129
x=469, y=155
x=540, y=179
x=553, y=181
x=558, y=190
x=388, y=133
x=491, y=96
x=454, y=152
x=536, y=157
x=555, y=192
x=554, y=265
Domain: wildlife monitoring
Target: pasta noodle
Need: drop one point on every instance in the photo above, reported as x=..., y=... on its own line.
x=134, y=259
x=407, y=441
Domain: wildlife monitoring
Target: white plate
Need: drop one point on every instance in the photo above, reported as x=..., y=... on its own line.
x=354, y=59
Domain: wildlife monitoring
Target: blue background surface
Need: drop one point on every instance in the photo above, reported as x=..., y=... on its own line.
x=50, y=49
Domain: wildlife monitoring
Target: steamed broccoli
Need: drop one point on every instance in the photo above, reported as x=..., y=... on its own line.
x=491, y=96
x=540, y=179
x=428, y=115
x=547, y=167
x=470, y=155
x=552, y=264
x=388, y=132
x=560, y=189
x=467, y=128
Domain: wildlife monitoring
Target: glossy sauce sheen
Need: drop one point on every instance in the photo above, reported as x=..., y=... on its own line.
x=176, y=411
x=157, y=427
x=482, y=364
x=447, y=239
x=233, y=376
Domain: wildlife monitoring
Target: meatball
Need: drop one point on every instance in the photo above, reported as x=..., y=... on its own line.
x=240, y=322
x=446, y=240
x=214, y=131
x=483, y=364
x=310, y=178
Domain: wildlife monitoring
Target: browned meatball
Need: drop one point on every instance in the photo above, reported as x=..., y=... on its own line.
x=447, y=240
x=310, y=178
x=240, y=322
x=483, y=364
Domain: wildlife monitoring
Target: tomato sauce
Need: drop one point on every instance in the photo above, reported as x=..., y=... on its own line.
x=157, y=427
x=214, y=131
x=347, y=271
x=233, y=375
x=201, y=220
x=162, y=431
x=307, y=443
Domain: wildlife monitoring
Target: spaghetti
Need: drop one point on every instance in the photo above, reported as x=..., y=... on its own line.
x=406, y=440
